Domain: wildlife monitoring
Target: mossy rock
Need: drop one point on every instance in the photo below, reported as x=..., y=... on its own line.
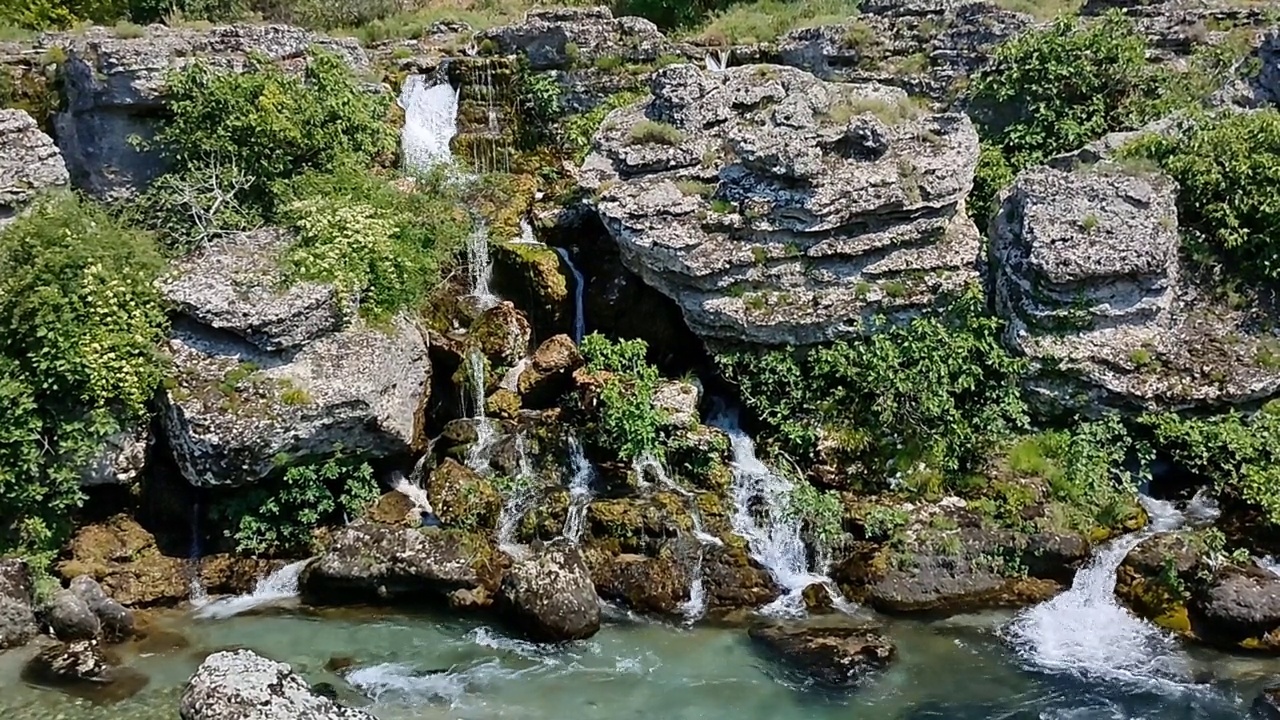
x=535, y=277
x=30, y=89
x=545, y=521
x=462, y=498
x=502, y=334
x=654, y=584
x=639, y=524
x=394, y=508
x=701, y=455
x=503, y=404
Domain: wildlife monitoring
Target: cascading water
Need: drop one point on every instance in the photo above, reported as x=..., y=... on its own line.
x=430, y=122
x=511, y=381
x=518, y=501
x=526, y=234
x=198, y=596
x=774, y=535
x=412, y=488
x=579, y=291
x=478, y=454
x=579, y=491
x=696, y=606
x=1085, y=632
x=279, y=586
x=480, y=267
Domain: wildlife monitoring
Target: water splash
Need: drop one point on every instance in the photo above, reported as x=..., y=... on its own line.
x=579, y=292
x=526, y=234
x=412, y=489
x=403, y=684
x=1084, y=632
x=480, y=267
x=579, y=491
x=276, y=588
x=198, y=596
x=716, y=62
x=511, y=381
x=479, y=452
x=772, y=531
x=430, y=122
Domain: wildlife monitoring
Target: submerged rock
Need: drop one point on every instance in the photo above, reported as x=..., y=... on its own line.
x=549, y=596
x=82, y=669
x=777, y=208
x=17, y=620
x=1267, y=705
x=243, y=685
x=265, y=373
x=368, y=562
x=1086, y=270
x=834, y=656
x=29, y=163
x=114, y=91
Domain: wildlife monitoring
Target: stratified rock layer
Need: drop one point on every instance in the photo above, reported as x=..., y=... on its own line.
x=776, y=208
x=29, y=163
x=554, y=38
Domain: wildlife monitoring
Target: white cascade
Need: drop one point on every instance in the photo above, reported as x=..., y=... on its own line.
x=717, y=62
x=511, y=380
x=579, y=292
x=411, y=487
x=518, y=502
x=480, y=267
x=1087, y=633
x=278, y=587
x=526, y=234
x=579, y=491
x=696, y=606
x=430, y=122
x=772, y=531
x=478, y=454
x=197, y=594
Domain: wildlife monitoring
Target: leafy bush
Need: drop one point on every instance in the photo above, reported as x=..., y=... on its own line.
x=381, y=246
x=821, y=512
x=196, y=206
x=628, y=423
x=1227, y=167
x=280, y=518
x=939, y=390
x=538, y=99
x=577, y=131
x=1055, y=89
x=670, y=13
x=273, y=126
x=80, y=321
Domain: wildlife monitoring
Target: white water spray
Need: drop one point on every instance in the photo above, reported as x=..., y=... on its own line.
x=773, y=532
x=511, y=381
x=478, y=454
x=579, y=291
x=412, y=489
x=526, y=234
x=579, y=491
x=278, y=587
x=1085, y=632
x=430, y=122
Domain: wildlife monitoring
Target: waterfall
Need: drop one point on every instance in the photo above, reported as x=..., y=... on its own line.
x=511, y=380
x=478, y=454
x=579, y=290
x=526, y=234
x=195, y=587
x=518, y=501
x=579, y=491
x=1086, y=632
x=696, y=606
x=412, y=488
x=430, y=122
x=480, y=267
x=774, y=535
x=279, y=586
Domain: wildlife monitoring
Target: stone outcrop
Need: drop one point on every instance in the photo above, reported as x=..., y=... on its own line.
x=242, y=685
x=17, y=620
x=263, y=373
x=560, y=38
x=549, y=596
x=120, y=460
x=777, y=208
x=834, y=656
x=1085, y=267
x=549, y=372
x=70, y=618
x=29, y=163
x=115, y=621
x=115, y=90
x=367, y=562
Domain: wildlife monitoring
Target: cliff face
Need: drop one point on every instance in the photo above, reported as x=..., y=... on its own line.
x=778, y=208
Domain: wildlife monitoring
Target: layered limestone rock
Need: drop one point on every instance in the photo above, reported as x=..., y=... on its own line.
x=1085, y=268
x=29, y=163
x=777, y=208
x=266, y=373
x=560, y=38
x=114, y=91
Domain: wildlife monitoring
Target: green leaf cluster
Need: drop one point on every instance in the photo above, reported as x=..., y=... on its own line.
x=628, y=424
x=280, y=518
x=80, y=323
x=939, y=390
x=1228, y=168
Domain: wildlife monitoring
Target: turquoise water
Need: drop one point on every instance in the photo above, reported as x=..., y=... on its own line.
x=425, y=667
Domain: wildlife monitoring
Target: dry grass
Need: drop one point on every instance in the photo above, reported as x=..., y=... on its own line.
x=889, y=112
x=767, y=20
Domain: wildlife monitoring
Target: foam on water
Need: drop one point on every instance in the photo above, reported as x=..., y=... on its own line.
x=430, y=122
x=1084, y=632
x=582, y=474
x=403, y=684
x=278, y=587
x=579, y=291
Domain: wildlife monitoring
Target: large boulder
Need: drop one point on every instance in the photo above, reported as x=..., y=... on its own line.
x=368, y=562
x=242, y=685
x=17, y=620
x=549, y=372
x=70, y=617
x=115, y=620
x=834, y=656
x=560, y=38
x=777, y=208
x=114, y=91
x=462, y=498
x=1238, y=607
x=29, y=163
x=549, y=596
x=265, y=374
x=1085, y=268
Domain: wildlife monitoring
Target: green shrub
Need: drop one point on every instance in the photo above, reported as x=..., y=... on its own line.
x=280, y=518
x=272, y=126
x=1055, y=89
x=80, y=323
x=192, y=207
x=538, y=99
x=628, y=424
x=1227, y=167
x=821, y=513
x=381, y=246
x=577, y=131
x=938, y=390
